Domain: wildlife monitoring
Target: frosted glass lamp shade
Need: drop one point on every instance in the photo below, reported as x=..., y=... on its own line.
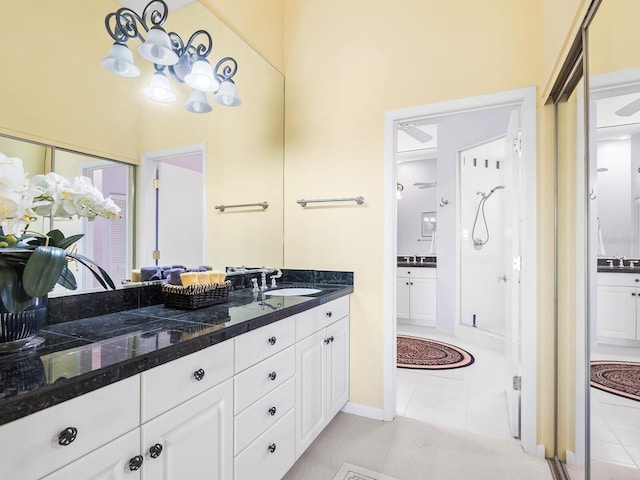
x=197, y=102
x=159, y=89
x=157, y=48
x=201, y=77
x=120, y=61
x=227, y=94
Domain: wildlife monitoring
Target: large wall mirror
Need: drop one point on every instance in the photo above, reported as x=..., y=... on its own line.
x=80, y=118
x=614, y=240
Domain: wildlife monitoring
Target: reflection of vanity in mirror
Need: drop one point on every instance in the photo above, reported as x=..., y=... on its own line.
x=73, y=115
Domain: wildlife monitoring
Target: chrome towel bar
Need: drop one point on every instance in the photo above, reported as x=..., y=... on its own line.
x=359, y=200
x=222, y=208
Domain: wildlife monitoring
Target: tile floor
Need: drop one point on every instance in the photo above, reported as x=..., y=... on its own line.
x=615, y=421
x=470, y=398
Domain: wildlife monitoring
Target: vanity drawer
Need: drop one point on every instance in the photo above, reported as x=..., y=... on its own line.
x=262, y=378
x=168, y=385
x=417, y=272
x=257, y=418
x=319, y=317
x=619, y=279
x=40, y=443
x=263, y=342
x=271, y=454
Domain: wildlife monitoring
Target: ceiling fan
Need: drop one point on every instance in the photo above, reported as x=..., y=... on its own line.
x=425, y=184
x=630, y=109
x=415, y=132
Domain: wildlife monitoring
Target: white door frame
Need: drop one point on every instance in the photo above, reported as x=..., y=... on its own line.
x=526, y=99
x=146, y=220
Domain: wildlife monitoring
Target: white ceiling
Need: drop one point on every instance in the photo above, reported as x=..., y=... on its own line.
x=138, y=5
x=611, y=125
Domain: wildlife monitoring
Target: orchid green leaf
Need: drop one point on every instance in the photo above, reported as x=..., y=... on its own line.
x=42, y=270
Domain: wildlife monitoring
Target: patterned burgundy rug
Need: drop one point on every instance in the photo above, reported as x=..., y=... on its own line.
x=619, y=378
x=416, y=352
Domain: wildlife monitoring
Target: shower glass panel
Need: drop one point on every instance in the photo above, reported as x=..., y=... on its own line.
x=485, y=221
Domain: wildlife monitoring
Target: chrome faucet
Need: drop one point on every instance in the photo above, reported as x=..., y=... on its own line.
x=254, y=282
x=622, y=259
x=273, y=278
x=632, y=263
x=263, y=282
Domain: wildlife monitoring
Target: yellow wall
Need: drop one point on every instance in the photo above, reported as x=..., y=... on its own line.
x=378, y=56
x=53, y=87
x=561, y=20
x=259, y=23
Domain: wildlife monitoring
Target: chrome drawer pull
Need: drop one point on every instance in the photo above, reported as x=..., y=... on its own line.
x=272, y=375
x=198, y=374
x=272, y=448
x=67, y=436
x=272, y=340
x=135, y=463
x=272, y=411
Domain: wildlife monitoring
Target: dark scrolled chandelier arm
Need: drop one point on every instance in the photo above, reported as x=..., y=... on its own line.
x=122, y=25
x=201, y=49
x=228, y=70
x=128, y=24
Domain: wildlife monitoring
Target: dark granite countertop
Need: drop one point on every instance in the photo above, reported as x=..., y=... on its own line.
x=612, y=265
x=418, y=264
x=82, y=355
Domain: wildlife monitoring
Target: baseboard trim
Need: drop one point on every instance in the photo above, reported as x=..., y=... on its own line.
x=363, y=411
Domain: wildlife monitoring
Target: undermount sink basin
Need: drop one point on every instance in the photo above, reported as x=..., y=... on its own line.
x=287, y=292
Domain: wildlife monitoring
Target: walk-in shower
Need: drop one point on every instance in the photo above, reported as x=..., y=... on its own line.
x=484, y=236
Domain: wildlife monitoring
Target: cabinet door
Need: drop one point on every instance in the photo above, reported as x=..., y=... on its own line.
x=110, y=462
x=402, y=300
x=192, y=441
x=423, y=301
x=617, y=312
x=311, y=375
x=337, y=367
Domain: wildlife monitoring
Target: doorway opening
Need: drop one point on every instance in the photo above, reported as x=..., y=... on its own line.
x=173, y=206
x=463, y=128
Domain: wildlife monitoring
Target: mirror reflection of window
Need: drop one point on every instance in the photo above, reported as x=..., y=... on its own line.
x=107, y=242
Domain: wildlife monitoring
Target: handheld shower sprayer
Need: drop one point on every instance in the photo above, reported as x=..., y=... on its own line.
x=477, y=241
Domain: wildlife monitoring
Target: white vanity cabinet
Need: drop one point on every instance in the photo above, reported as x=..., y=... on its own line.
x=187, y=416
x=322, y=369
x=117, y=460
x=193, y=440
x=264, y=400
x=618, y=313
x=39, y=444
x=242, y=409
x=416, y=295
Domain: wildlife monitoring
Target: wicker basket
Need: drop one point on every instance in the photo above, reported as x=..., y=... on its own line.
x=195, y=296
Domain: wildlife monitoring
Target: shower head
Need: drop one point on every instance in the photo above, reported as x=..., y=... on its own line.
x=497, y=187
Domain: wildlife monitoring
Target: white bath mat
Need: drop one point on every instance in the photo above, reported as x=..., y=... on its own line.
x=351, y=472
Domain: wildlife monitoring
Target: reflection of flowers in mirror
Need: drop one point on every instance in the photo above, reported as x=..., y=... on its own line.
x=52, y=195
x=31, y=263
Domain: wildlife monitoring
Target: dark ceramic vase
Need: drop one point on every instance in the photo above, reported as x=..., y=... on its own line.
x=17, y=330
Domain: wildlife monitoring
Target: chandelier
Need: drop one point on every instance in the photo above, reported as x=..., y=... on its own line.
x=185, y=63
